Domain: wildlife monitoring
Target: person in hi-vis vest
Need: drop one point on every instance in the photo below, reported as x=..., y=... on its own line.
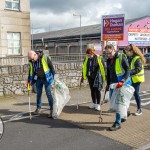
x=93, y=69
x=136, y=61
x=41, y=72
x=118, y=72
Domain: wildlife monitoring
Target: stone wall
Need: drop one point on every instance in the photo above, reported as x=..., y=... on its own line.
x=13, y=79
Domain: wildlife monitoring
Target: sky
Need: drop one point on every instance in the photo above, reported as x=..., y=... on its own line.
x=52, y=15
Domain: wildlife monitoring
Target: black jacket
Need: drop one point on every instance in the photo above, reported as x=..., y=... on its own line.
x=40, y=67
x=111, y=73
x=137, y=64
x=93, y=66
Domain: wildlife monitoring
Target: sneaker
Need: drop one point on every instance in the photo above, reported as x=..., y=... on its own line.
x=123, y=120
x=92, y=106
x=50, y=114
x=138, y=113
x=37, y=111
x=97, y=107
x=115, y=126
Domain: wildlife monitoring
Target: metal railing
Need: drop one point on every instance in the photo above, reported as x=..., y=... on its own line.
x=13, y=60
x=21, y=60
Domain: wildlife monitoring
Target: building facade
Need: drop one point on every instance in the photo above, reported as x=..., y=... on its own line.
x=15, y=39
x=67, y=41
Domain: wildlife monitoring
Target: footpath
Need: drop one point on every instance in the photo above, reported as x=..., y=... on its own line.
x=135, y=132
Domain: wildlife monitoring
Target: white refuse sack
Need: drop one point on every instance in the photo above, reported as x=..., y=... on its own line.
x=61, y=97
x=120, y=99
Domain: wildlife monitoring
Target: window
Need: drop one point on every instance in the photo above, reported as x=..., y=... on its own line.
x=14, y=44
x=12, y=4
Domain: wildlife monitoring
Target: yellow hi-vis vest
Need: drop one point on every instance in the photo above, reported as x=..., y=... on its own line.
x=139, y=77
x=48, y=74
x=101, y=67
x=118, y=67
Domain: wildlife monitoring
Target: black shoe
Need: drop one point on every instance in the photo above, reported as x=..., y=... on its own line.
x=37, y=111
x=123, y=120
x=115, y=127
x=50, y=114
x=128, y=113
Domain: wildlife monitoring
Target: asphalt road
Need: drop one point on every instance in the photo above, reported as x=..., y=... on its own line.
x=43, y=134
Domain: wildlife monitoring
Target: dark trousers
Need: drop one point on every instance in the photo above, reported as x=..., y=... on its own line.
x=95, y=93
x=136, y=94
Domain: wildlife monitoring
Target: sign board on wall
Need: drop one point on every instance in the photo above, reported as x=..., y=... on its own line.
x=113, y=27
x=97, y=47
x=114, y=43
x=138, y=36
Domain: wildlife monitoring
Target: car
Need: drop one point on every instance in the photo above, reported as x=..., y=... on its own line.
x=147, y=55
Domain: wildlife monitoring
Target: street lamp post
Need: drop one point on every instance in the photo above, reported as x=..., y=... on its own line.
x=32, y=36
x=80, y=35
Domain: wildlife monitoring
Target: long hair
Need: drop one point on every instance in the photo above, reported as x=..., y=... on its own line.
x=137, y=51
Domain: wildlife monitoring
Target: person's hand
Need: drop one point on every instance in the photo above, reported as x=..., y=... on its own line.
x=28, y=86
x=107, y=88
x=81, y=80
x=119, y=85
x=28, y=83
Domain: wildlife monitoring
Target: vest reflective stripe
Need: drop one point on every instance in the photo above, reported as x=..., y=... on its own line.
x=139, y=77
x=84, y=68
x=48, y=74
x=118, y=67
x=31, y=72
x=102, y=70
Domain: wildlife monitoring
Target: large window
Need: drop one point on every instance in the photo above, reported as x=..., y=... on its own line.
x=14, y=44
x=12, y=4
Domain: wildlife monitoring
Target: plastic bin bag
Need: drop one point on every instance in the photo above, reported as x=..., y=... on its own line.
x=120, y=99
x=61, y=97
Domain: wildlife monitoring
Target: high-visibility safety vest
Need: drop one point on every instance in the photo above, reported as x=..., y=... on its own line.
x=139, y=77
x=102, y=70
x=48, y=74
x=119, y=69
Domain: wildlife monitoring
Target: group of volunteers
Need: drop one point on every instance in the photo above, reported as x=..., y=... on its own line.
x=119, y=68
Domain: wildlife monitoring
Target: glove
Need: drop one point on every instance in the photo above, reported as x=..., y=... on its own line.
x=28, y=83
x=119, y=85
x=81, y=80
x=28, y=86
x=107, y=88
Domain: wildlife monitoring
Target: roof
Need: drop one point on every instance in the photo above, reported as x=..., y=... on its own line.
x=86, y=30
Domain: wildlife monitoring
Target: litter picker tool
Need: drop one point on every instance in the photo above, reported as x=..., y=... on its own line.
x=100, y=112
x=28, y=86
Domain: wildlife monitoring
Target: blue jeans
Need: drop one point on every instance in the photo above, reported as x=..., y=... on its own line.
x=39, y=86
x=136, y=94
x=118, y=117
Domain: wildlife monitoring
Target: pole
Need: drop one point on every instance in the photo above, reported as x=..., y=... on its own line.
x=80, y=39
x=28, y=86
x=32, y=35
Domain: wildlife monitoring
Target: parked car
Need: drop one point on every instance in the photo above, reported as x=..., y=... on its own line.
x=147, y=56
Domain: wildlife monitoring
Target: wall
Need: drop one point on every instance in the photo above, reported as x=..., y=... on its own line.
x=15, y=21
x=13, y=79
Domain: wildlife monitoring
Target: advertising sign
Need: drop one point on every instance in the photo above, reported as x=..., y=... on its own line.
x=138, y=36
x=113, y=27
x=114, y=43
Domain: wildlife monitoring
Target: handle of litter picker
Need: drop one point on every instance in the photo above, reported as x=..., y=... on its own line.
x=100, y=112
